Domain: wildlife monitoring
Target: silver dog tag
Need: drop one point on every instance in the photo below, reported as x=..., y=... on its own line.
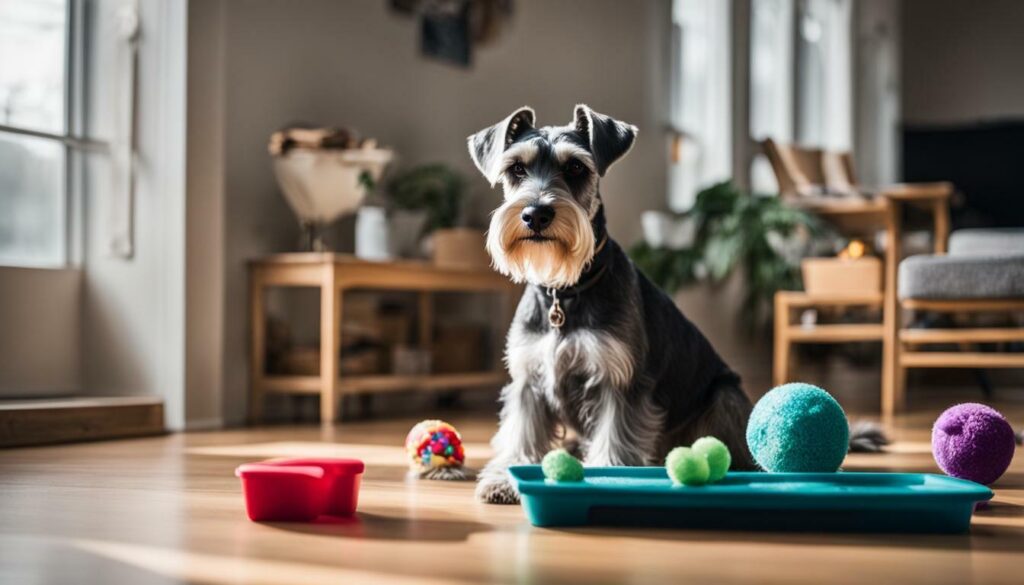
x=556, y=316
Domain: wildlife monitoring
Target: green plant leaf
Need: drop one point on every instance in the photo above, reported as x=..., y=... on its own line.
x=435, y=188
x=735, y=231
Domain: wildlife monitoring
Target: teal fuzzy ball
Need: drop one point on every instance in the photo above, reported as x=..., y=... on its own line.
x=687, y=467
x=717, y=454
x=559, y=465
x=798, y=427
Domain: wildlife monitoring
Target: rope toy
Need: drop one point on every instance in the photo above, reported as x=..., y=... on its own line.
x=435, y=451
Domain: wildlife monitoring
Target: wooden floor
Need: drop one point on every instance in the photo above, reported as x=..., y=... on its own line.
x=168, y=509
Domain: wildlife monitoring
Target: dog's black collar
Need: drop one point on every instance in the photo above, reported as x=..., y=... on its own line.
x=593, y=274
x=597, y=268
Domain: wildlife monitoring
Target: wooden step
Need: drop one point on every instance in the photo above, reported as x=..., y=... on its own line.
x=977, y=335
x=964, y=305
x=797, y=299
x=385, y=383
x=953, y=359
x=835, y=333
x=45, y=421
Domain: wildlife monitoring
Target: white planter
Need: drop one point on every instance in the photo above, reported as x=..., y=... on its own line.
x=460, y=248
x=404, y=231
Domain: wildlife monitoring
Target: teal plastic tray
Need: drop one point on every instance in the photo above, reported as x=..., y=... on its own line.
x=819, y=502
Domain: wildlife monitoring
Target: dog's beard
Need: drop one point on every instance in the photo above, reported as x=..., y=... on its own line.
x=557, y=261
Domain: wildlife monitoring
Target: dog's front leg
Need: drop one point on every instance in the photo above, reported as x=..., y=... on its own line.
x=525, y=434
x=623, y=433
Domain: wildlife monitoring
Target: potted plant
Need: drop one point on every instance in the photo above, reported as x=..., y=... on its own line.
x=759, y=236
x=438, y=191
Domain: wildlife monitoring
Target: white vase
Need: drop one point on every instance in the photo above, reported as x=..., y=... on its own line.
x=372, y=234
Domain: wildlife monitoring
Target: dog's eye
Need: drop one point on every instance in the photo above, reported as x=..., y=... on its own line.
x=518, y=170
x=574, y=168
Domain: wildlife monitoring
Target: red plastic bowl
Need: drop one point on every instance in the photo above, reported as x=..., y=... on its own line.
x=300, y=490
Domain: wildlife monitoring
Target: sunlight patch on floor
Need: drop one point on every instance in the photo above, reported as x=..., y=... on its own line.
x=207, y=568
x=369, y=454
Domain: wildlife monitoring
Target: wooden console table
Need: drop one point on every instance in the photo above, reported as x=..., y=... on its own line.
x=334, y=274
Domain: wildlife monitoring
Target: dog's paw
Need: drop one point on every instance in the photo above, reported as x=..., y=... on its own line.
x=494, y=490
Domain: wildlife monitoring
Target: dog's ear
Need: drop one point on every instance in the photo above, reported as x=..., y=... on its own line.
x=487, y=145
x=609, y=139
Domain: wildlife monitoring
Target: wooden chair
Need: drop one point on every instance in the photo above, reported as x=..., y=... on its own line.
x=809, y=172
x=824, y=183
x=983, y=272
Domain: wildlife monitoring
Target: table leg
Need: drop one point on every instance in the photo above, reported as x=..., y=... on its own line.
x=258, y=348
x=426, y=320
x=941, y=213
x=780, y=369
x=891, y=392
x=330, y=344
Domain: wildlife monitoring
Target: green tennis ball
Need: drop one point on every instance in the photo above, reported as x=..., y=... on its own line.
x=716, y=453
x=559, y=465
x=686, y=467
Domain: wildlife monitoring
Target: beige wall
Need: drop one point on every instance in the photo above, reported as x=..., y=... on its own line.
x=356, y=63
x=204, y=216
x=962, y=60
x=39, y=331
x=133, y=308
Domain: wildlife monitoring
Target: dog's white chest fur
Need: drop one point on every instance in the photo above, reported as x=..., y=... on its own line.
x=548, y=358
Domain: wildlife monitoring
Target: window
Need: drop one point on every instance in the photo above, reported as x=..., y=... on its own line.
x=801, y=70
x=36, y=119
x=701, y=108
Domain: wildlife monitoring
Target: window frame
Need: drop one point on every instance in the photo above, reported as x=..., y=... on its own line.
x=72, y=139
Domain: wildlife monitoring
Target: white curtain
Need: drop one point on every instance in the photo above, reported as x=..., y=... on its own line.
x=771, y=83
x=824, y=74
x=701, y=106
x=878, y=92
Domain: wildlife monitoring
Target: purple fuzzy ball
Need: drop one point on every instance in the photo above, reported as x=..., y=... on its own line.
x=973, y=441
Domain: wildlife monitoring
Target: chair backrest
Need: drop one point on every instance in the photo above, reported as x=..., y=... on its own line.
x=788, y=172
x=810, y=171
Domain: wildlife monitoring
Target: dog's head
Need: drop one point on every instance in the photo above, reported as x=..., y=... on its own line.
x=544, y=231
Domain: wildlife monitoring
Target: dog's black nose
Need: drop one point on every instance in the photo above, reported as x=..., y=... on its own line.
x=538, y=217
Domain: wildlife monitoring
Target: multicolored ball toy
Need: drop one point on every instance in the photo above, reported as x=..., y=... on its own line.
x=435, y=451
x=973, y=441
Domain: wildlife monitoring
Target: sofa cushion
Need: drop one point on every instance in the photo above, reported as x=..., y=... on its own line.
x=961, y=276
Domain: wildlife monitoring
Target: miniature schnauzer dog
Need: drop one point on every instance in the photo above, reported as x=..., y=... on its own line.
x=595, y=348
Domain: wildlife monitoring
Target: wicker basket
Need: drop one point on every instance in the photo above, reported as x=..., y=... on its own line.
x=842, y=276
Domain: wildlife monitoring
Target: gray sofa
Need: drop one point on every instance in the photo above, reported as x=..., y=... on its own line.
x=981, y=264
